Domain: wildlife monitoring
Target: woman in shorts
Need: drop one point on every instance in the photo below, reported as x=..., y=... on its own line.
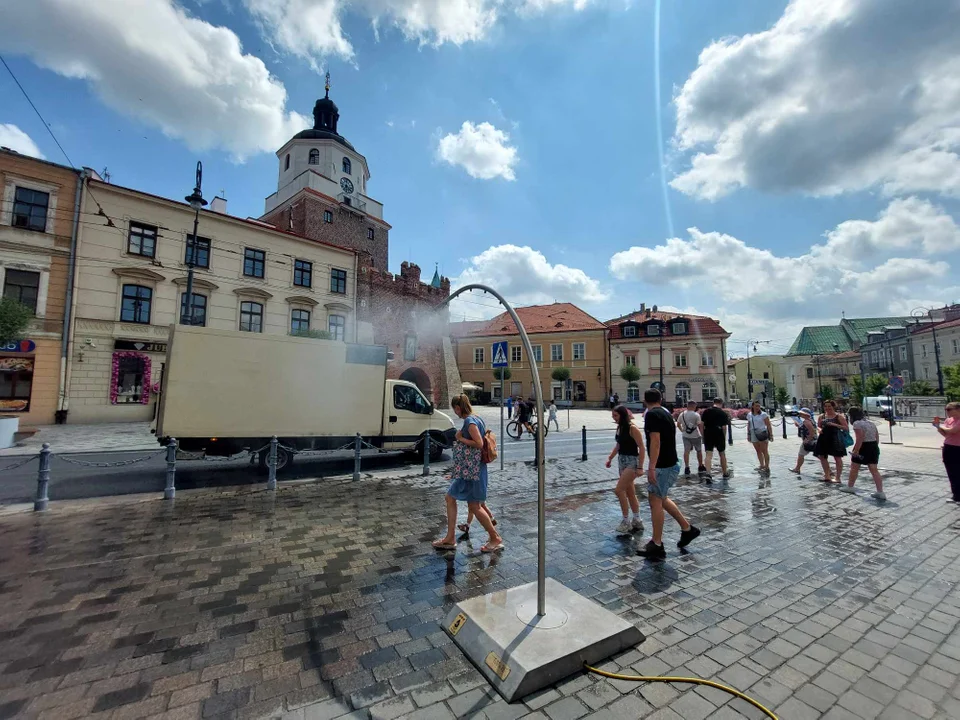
x=866, y=451
x=760, y=434
x=629, y=451
x=830, y=443
x=808, y=437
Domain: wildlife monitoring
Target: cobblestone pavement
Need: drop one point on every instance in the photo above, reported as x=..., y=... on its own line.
x=323, y=600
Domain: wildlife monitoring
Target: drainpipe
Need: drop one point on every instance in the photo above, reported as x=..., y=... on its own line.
x=66, y=334
x=723, y=360
x=356, y=296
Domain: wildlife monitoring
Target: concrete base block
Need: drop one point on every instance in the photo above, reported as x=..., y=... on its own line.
x=520, y=652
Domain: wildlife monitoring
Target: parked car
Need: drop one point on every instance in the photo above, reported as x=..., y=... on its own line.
x=791, y=410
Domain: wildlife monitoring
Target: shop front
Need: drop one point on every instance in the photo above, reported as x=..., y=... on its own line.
x=28, y=380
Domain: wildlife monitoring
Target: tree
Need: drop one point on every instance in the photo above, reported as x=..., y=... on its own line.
x=630, y=373
x=504, y=372
x=918, y=388
x=826, y=392
x=14, y=319
x=560, y=374
x=856, y=391
x=315, y=334
x=780, y=396
x=951, y=382
x=876, y=384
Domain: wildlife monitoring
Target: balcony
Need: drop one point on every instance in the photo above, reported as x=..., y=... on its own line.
x=353, y=202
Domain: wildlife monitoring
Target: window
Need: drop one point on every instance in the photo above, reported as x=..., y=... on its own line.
x=630, y=360
x=198, y=251
x=478, y=356
x=253, y=263
x=683, y=393
x=926, y=373
x=338, y=281
x=199, y=308
x=706, y=360
x=135, y=304
x=314, y=157
x=409, y=399
x=679, y=328
x=299, y=320
x=633, y=393
x=580, y=391
x=653, y=329
x=766, y=376
x=337, y=325
x=142, y=240
x=630, y=331
x=30, y=209
x=251, y=317
x=22, y=286
x=516, y=354
x=556, y=353
x=709, y=391
x=302, y=273
x=923, y=349
x=809, y=373
x=679, y=360
x=516, y=389
x=903, y=352
x=410, y=348
x=16, y=381
x=906, y=376
x=956, y=346
x=370, y=234
x=347, y=166
x=538, y=353
x=131, y=374
x=286, y=163
x=873, y=357
x=327, y=216
x=579, y=351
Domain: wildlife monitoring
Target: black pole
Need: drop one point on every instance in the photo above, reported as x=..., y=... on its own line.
x=196, y=202
x=584, y=436
x=749, y=378
x=661, y=357
x=936, y=353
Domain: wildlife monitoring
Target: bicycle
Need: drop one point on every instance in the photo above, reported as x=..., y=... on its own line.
x=513, y=429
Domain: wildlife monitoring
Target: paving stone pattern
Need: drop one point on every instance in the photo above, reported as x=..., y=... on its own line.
x=323, y=600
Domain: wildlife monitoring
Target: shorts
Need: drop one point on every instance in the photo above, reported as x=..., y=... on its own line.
x=692, y=443
x=666, y=478
x=714, y=442
x=806, y=449
x=869, y=454
x=628, y=462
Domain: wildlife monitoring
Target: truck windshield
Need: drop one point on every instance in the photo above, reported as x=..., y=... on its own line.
x=409, y=398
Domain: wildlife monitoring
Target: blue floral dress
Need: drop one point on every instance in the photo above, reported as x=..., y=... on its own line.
x=469, y=472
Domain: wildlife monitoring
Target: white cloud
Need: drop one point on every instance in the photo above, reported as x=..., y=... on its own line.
x=855, y=270
x=839, y=95
x=16, y=139
x=152, y=61
x=524, y=277
x=312, y=28
x=481, y=150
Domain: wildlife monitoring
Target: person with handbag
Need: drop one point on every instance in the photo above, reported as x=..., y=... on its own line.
x=760, y=433
x=834, y=433
x=469, y=478
x=808, y=437
x=866, y=451
x=950, y=430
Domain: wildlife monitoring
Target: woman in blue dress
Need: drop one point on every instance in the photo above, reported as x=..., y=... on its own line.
x=469, y=478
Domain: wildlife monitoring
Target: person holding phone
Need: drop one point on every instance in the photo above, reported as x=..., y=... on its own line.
x=950, y=429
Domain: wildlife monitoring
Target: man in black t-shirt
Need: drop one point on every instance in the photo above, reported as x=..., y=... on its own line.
x=523, y=419
x=662, y=472
x=715, y=421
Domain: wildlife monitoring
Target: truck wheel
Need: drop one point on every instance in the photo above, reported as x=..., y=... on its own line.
x=284, y=460
x=436, y=449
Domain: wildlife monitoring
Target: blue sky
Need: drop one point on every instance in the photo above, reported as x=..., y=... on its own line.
x=802, y=128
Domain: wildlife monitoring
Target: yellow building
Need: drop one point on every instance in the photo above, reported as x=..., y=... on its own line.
x=562, y=335
x=761, y=374
x=37, y=214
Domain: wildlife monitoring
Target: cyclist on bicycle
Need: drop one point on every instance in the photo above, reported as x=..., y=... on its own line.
x=523, y=420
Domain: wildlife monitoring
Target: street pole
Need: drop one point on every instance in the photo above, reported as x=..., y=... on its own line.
x=502, y=401
x=749, y=378
x=819, y=384
x=660, y=335
x=936, y=353
x=196, y=202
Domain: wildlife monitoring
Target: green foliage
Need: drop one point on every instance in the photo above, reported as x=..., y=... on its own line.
x=560, y=374
x=630, y=373
x=951, y=382
x=856, y=391
x=315, y=334
x=14, y=319
x=781, y=396
x=827, y=392
x=876, y=384
x=917, y=388
x=502, y=373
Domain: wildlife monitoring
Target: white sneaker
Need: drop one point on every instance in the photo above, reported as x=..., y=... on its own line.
x=637, y=525
x=624, y=528
x=848, y=489
x=878, y=496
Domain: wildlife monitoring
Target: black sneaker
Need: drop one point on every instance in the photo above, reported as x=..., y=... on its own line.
x=703, y=469
x=727, y=476
x=652, y=551
x=686, y=471
x=688, y=536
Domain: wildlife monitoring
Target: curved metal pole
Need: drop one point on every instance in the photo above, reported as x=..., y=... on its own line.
x=541, y=467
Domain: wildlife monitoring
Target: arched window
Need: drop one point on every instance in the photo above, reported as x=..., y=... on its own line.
x=633, y=393
x=314, y=157
x=286, y=163
x=347, y=166
x=683, y=393
x=709, y=391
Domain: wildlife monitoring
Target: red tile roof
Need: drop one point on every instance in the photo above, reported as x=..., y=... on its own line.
x=699, y=324
x=558, y=317
x=923, y=328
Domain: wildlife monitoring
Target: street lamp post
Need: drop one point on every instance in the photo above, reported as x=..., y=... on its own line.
x=196, y=202
x=819, y=383
x=660, y=326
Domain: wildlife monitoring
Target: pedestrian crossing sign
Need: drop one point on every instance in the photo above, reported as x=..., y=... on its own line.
x=499, y=354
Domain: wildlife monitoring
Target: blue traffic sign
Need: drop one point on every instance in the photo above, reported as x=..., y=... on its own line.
x=896, y=383
x=499, y=354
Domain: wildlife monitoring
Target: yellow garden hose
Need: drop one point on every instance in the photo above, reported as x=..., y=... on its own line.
x=695, y=681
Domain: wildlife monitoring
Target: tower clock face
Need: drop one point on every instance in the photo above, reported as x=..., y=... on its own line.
x=346, y=185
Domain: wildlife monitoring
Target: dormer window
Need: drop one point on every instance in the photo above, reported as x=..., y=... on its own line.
x=678, y=328
x=314, y=158
x=347, y=166
x=629, y=331
x=653, y=329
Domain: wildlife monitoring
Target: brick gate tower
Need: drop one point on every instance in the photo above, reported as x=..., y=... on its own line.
x=322, y=194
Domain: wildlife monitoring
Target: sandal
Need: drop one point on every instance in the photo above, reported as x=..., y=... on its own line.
x=463, y=527
x=441, y=545
x=493, y=547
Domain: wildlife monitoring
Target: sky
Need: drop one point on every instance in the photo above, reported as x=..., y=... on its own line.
x=772, y=164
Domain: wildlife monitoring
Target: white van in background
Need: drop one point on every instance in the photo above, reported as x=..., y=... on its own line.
x=877, y=405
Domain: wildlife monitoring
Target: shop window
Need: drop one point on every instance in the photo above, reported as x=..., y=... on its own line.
x=130, y=382
x=580, y=391
x=16, y=382
x=135, y=304
x=633, y=393
x=30, y=209
x=22, y=286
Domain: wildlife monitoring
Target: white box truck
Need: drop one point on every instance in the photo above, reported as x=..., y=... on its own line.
x=224, y=391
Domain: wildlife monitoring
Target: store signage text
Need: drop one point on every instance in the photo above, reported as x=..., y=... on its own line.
x=150, y=347
x=20, y=346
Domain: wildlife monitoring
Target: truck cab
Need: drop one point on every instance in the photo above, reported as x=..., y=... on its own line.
x=408, y=416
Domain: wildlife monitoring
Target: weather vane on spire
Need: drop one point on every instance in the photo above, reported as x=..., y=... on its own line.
x=327, y=85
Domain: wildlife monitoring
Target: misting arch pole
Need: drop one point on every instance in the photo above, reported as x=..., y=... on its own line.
x=541, y=467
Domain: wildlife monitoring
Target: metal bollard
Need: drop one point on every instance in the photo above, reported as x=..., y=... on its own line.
x=784, y=420
x=426, y=454
x=357, y=443
x=171, y=490
x=730, y=432
x=583, y=434
x=43, y=479
x=272, y=465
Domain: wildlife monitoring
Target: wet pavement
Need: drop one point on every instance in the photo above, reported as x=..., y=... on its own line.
x=323, y=599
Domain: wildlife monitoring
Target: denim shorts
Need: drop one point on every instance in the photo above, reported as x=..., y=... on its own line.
x=666, y=478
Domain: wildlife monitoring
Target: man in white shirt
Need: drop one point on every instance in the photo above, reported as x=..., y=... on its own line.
x=691, y=430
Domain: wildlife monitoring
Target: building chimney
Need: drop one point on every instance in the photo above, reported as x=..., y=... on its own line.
x=219, y=205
